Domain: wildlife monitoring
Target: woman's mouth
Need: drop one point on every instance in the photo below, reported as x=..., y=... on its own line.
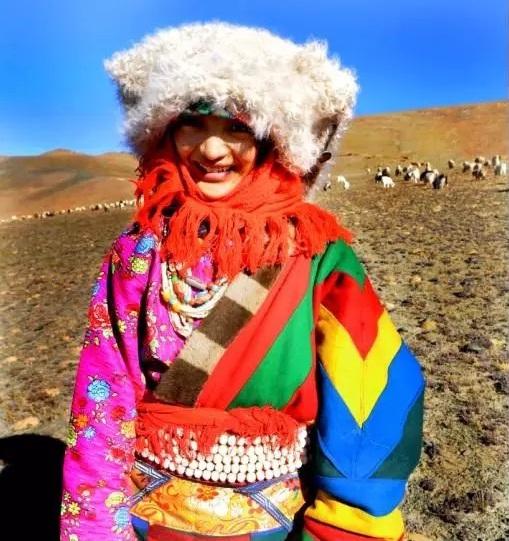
x=213, y=173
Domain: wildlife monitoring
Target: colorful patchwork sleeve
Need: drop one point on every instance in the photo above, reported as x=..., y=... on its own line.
x=108, y=384
x=369, y=426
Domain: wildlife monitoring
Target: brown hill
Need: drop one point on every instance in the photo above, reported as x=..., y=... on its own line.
x=62, y=178
x=434, y=135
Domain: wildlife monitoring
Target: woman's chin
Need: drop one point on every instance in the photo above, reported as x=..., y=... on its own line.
x=216, y=190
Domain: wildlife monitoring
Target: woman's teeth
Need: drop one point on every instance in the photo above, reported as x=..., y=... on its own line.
x=214, y=169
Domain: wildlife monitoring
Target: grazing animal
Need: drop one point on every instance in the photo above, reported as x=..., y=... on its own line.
x=440, y=182
x=413, y=173
x=479, y=159
x=429, y=176
x=327, y=186
x=343, y=182
x=501, y=169
x=479, y=173
x=398, y=170
x=451, y=164
x=387, y=181
x=386, y=171
x=467, y=166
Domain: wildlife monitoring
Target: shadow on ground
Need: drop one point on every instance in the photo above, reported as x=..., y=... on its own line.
x=30, y=487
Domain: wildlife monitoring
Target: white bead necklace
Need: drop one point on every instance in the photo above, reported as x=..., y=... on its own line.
x=184, y=309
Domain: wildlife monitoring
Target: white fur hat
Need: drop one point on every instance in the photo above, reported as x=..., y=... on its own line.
x=292, y=93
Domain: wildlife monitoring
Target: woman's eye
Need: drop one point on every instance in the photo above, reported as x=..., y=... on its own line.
x=189, y=121
x=239, y=127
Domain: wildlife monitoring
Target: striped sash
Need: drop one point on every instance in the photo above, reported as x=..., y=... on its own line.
x=184, y=378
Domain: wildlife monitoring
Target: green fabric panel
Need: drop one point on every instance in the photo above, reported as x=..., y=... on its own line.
x=323, y=466
x=405, y=456
x=275, y=381
x=286, y=365
x=306, y=537
x=270, y=536
x=340, y=257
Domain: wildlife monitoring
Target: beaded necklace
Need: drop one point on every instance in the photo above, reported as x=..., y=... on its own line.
x=184, y=307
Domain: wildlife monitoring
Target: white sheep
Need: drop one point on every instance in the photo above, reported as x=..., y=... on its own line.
x=495, y=160
x=501, y=169
x=343, y=182
x=387, y=182
x=413, y=173
x=467, y=166
x=451, y=164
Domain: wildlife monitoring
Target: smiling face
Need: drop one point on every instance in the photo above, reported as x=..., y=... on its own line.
x=218, y=152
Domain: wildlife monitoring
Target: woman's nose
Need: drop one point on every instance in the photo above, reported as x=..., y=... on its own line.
x=214, y=148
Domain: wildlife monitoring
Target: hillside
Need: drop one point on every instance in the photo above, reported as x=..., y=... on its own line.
x=437, y=258
x=61, y=178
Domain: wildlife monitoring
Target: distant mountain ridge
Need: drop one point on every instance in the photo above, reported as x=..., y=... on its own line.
x=63, y=178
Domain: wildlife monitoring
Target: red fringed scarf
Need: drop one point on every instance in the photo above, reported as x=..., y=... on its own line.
x=253, y=226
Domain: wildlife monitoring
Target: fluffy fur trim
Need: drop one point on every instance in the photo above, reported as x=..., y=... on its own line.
x=291, y=93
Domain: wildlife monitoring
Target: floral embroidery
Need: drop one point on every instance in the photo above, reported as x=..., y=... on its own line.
x=121, y=519
x=99, y=323
x=115, y=502
x=98, y=390
x=89, y=432
x=205, y=492
x=139, y=265
x=144, y=245
x=127, y=429
x=80, y=421
x=121, y=325
x=72, y=436
x=117, y=413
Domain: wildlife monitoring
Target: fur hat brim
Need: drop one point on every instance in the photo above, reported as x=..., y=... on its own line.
x=293, y=94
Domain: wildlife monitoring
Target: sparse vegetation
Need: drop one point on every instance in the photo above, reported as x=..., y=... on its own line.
x=437, y=258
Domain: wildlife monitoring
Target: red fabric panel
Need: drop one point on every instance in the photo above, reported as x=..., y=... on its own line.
x=249, y=347
x=160, y=533
x=303, y=405
x=357, y=309
x=323, y=532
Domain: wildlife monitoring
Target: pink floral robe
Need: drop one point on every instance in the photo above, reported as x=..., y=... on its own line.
x=109, y=382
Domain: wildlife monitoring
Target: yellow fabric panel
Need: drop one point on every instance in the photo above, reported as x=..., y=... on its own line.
x=341, y=360
x=337, y=514
x=378, y=360
x=359, y=381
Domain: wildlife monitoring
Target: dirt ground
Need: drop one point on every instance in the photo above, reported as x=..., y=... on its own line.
x=439, y=262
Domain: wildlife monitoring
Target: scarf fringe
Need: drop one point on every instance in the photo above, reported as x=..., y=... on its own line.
x=247, y=230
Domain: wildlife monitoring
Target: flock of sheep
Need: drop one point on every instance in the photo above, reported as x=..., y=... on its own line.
x=412, y=173
x=428, y=175
x=106, y=207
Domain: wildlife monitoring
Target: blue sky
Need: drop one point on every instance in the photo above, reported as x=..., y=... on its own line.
x=408, y=54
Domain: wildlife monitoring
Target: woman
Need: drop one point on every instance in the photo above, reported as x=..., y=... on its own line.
x=233, y=334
